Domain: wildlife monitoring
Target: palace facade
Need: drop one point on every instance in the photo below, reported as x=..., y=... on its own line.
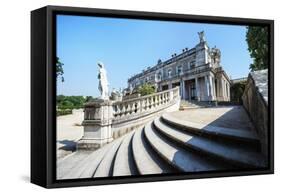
x=196, y=71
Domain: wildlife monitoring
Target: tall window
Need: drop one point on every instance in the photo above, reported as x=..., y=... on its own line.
x=147, y=79
x=179, y=70
x=192, y=64
x=159, y=76
x=169, y=73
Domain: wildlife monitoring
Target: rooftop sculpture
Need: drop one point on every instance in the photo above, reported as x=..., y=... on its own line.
x=103, y=83
x=201, y=36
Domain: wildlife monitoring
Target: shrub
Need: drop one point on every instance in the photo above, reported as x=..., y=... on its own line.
x=61, y=112
x=146, y=89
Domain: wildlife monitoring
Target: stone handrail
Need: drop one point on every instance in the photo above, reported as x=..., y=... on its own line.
x=104, y=118
x=145, y=104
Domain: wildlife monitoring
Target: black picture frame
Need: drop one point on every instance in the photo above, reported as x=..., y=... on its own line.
x=43, y=92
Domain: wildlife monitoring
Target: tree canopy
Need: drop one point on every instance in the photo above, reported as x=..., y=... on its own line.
x=70, y=102
x=237, y=90
x=59, y=69
x=257, y=39
x=146, y=89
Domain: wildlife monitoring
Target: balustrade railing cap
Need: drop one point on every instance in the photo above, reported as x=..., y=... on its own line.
x=147, y=96
x=97, y=103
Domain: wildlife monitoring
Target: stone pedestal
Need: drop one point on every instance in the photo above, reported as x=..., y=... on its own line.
x=97, y=125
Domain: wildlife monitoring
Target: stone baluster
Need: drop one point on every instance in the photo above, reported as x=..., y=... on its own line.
x=166, y=98
x=156, y=100
x=132, y=107
x=138, y=106
x=129, y=108
x=126, y=109
x=171, y=95
x=118, y=110
x=123, y=110
x=115, y=112
x=141, y=105
x=146, y=103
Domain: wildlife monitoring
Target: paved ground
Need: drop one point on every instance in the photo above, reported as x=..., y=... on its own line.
x=222, y=116
x=69, y=131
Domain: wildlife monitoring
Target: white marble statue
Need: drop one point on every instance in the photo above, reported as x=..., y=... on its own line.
x=201, y=36
x=103, y=83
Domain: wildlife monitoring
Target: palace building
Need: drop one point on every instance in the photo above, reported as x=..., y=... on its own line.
x=196, y=71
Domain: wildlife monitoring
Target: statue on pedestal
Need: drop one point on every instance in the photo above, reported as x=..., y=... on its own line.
x=103, y=83
x=98, y=116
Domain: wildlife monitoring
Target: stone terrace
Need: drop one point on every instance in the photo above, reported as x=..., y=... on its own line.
x=172, y=143
x=222, y=116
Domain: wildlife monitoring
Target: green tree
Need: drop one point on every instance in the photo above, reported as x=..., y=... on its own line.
x=89, y=99
x=59, y=69
x=66, y=105
x=70, y=102
x=257, y=39
x=236, y=91
x=146, y=89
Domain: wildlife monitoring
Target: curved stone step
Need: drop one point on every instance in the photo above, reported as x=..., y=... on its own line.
x=105, y=167
x=124, y=164
x=237, y=135
x=83, y=167
x=146, y=160
x=68, y=163
x=90, y=167
x=235, y=154
x=181, y=159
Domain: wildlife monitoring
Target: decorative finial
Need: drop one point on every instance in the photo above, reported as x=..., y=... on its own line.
x=201, y=36
x=159, y=61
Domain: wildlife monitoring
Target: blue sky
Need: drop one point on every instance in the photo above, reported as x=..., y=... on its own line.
x=127, y=46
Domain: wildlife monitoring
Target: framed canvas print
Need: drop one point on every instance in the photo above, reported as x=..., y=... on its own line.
x=125, y=96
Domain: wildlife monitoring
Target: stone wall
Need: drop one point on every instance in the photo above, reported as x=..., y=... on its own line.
x=255, y=101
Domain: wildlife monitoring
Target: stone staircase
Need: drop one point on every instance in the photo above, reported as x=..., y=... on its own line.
x=191, y=104
x=167, y=145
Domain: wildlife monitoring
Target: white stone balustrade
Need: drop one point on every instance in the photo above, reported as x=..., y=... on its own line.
x=123, y=110
x=102, y=116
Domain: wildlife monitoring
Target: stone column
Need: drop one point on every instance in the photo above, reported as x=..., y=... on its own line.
x=211, y=88
x=207, y=86
x=214, y=88
x=222, y=90
x=197, y=89
x=228, y=87
x=97, y=125
x=183, y=90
